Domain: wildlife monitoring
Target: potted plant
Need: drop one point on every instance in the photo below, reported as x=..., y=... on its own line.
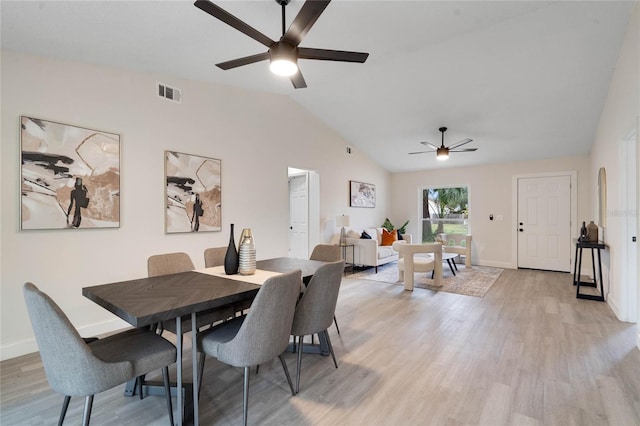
x=389, y=226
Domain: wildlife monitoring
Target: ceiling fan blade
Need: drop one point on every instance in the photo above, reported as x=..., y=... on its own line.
x=430, y=145
x=462, y=142
x=298, y=80
x=463, y=150
x=331, y=55
x=234, y=63
x=420, y=152
x=229, y=19
x=308, y=15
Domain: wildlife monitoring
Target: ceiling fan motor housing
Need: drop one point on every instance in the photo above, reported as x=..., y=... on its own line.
x=283, y=50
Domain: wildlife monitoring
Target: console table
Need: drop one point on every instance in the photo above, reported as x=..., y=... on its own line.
x=577, y=268
x=348, y=264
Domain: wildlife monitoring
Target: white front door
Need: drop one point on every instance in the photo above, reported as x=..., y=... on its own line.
x=544, y=223
x=298, y=217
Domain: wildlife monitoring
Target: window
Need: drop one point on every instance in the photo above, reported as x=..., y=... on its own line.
x=444, y=210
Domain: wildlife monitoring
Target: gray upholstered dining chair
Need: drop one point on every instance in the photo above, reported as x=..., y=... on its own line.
x=257, y=337
x=173, y=263
x=214, y=256
x=327, y=253
x=316, y=308
x=75, y=368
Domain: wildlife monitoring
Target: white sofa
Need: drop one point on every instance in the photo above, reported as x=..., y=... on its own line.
x=370, y=252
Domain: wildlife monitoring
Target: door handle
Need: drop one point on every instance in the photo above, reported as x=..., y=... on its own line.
x=291, y=227
x=521, y=230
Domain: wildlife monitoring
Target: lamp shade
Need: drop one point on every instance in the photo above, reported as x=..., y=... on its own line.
x=342, y=221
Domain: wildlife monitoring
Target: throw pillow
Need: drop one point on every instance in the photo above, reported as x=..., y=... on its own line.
x=365, y=236
x=352, y=234
x=389, y=237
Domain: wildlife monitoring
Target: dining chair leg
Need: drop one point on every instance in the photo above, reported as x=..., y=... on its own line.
x=65, y=406
x=88, y=403
x=300, y=343
x=286, y=373
x=245, y=396
x=202, y=356
x=167, y=391
x=335, y=321
x=333, y=355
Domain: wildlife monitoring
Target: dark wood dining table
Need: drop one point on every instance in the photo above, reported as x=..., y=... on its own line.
x=146, y=301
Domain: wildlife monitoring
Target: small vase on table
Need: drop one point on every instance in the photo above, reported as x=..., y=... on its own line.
x=247, y=253
x=231, y=257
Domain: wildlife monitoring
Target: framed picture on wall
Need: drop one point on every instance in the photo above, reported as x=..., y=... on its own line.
x=70, y=176
x=362, y=194
x=193, y=193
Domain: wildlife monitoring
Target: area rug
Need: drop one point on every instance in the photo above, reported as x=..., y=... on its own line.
x=474, y=281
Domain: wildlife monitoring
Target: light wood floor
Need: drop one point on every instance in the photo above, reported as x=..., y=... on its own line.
x=528, y=353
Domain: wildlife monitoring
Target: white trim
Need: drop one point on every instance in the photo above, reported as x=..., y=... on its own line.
x=28, y=346
x=573, y=175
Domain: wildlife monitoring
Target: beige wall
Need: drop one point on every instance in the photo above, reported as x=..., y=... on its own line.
x=619, y=121
x=256, y=135
x=490, y=192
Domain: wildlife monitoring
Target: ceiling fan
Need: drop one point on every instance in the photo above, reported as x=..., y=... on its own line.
x=284, y=53
x=442, y=152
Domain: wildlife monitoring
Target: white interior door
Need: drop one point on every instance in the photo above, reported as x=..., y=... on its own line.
x=629, y=225
x=544, y=223
x=299, y=216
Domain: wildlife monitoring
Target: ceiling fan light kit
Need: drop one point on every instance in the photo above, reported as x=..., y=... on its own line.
x=442, y=154
x=283, y=54
x=442, y=151
x=283, y=59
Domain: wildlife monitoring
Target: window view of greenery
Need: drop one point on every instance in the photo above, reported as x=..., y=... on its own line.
x=444, y=210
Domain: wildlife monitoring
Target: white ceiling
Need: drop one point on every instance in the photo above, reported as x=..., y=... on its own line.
x=524, y=79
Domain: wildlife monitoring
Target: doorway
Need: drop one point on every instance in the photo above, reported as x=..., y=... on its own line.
x=304, y=211
x=544, y=206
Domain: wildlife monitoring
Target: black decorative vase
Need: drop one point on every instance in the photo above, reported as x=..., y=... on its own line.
x=583, y=232
x=231, y=260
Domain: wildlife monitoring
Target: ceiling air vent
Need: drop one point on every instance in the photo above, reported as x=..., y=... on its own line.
x=170, y=93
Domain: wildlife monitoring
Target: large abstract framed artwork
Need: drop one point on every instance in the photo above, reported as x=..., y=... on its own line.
x=362, y=194
x=70, y=176
x=193, y=193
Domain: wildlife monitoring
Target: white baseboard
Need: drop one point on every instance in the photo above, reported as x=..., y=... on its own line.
x=614, y=307
x=503, y=265
x=28, y=346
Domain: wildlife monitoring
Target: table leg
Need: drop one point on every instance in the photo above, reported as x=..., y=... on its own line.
x=194, y=357
x=576, y=274
x=321, y=348
x=600, y=273
x=180, y=402
x=451, y=267
x=578, y=271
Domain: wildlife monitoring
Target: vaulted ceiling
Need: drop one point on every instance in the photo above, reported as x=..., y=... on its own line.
x=523, y=79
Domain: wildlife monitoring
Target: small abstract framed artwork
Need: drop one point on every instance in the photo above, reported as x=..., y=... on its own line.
x=362, y=194
x=193, y=193
x=70, y=176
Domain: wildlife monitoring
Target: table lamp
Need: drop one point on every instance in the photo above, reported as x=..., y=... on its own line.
x=342, y=221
